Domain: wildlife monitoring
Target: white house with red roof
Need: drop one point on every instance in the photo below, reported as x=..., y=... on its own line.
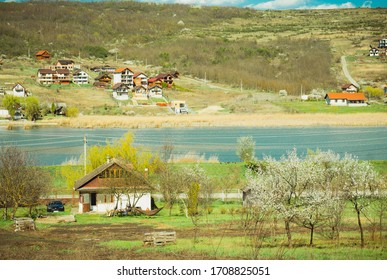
x=346, y=99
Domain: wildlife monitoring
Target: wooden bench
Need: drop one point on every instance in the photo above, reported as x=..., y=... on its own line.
x=160, y=238
x=22, y=224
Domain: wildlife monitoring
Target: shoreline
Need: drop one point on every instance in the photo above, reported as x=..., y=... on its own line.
x=212, y=120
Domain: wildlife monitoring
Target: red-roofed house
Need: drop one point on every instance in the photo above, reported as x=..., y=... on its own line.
x=42, y=55
x=346, y=99
x=123, y=75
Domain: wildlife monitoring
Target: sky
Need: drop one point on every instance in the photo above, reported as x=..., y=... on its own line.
x=281, y=4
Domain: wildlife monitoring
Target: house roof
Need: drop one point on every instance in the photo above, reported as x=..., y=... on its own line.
x=156, y=86
x=122, y=69
x=93, y=174
x=348, y=96
x=153, y=79
x=100, y=76
x=118, y=85
x=78, y=72
x=63, y=71
x=42, y=52
x=46, y=71
x=345, y=86
x=65, y=61
x=138, y=74
x=163, y=76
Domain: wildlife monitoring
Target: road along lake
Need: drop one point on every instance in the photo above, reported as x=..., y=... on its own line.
x=56, y=145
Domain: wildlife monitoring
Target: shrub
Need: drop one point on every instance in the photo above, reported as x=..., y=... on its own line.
x=72, y=112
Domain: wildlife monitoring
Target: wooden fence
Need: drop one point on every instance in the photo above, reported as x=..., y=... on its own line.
x=160, y=238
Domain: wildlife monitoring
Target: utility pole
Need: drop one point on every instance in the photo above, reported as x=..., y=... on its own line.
x=84, y=152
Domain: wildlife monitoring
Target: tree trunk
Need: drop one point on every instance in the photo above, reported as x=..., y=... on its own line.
x=288, y=233
x=360, y=227
x=311, y=235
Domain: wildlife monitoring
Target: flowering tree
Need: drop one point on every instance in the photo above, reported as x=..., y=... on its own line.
x=359, y=181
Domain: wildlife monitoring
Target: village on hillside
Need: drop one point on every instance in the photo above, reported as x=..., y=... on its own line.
x=138, y=89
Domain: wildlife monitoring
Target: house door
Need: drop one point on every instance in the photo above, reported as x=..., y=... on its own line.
x=93, y=200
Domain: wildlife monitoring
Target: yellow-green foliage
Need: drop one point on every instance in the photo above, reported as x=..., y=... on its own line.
x=124, y=149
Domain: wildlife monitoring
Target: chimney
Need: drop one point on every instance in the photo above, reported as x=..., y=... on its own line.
x=108, y=159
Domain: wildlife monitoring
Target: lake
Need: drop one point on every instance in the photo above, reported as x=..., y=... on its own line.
x=55, y=145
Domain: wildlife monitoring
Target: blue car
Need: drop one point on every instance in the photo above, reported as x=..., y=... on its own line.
x=55, y=205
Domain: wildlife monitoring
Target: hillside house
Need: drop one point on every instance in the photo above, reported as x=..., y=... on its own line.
x=80, y=77
x=123, y=75
x=155, y=91
x=121, y=92
x=42, y=55
x=383, y=43
x=349, y=88
x=105, y=68
x=19, y=91
x=65, y=64
x=62, y=77
x=45, y=76
x=140, y=92
x=114, y=184
x=140, y=79
x=373, y=51
x=166, y=78
x=102, y=80
x=346, y=99
x=155, y=82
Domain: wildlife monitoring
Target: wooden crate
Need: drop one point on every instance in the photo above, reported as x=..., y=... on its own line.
x=160, y=238
x=22, y=224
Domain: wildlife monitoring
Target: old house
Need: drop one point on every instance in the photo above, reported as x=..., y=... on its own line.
x=140, y=79
x=102, y=80
x=80, y=77
x=42, y=55
x=123, y=75
x=114, y=184
x=121, y=92
x=346, y=99
x=155, y=91
x=19, y=91
x=65, y=64
x=349, y=88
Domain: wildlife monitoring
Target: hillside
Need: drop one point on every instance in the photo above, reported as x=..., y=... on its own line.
x=229, y=58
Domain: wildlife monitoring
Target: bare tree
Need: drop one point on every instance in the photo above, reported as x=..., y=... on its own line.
x=21, y=183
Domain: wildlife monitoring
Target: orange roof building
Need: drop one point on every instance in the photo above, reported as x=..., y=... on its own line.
x=346, y=99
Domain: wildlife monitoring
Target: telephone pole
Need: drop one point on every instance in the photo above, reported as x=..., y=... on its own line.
x=84, y=152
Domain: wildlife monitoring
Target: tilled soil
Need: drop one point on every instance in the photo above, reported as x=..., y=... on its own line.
x=81, y=242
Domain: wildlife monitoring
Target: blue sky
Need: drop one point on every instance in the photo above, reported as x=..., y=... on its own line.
x=281, y=4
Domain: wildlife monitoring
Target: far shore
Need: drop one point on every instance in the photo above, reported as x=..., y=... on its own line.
x=212, y=120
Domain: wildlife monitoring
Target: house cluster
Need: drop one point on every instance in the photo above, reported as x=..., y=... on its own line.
x=63, y=72
x=350, y=96
x=381, y=50
x=126, y=83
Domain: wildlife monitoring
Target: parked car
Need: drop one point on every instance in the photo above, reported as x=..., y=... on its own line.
x=55, y=205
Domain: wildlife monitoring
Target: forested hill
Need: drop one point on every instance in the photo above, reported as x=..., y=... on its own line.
x=264, y=49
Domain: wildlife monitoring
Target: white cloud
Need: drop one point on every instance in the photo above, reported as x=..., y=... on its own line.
x=297, y=4
x=279, y=5
x=333, y=6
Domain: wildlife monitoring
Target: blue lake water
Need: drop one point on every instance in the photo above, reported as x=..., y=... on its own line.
x=53, y=146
